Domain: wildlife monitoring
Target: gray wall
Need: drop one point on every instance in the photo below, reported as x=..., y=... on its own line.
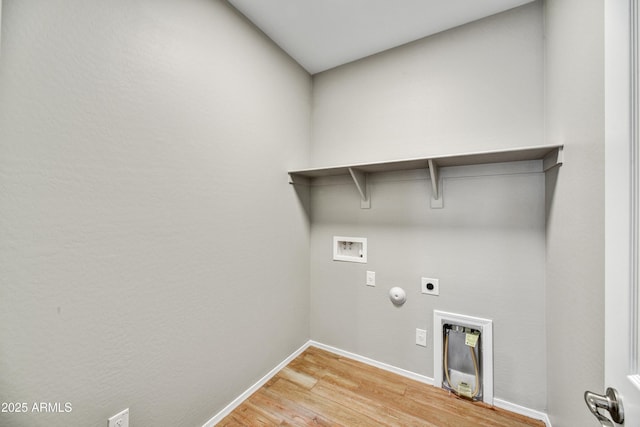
x=152, y=255
x=575, y=217
x=476, y=87
x=479, y=86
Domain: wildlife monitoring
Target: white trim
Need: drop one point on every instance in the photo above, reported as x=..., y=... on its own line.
x=633, y=194
x=517, y=409
x=375, y=363
x=621, y=210
x=634, y=380
x=500, y=403
x=486, y=328
x=244, y=396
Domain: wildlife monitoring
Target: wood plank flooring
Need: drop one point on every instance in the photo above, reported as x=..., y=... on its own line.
x=319, y=388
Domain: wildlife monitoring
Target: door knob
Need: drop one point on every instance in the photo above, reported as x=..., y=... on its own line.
x=610, y=402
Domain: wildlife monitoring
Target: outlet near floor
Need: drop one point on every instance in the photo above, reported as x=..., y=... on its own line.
x=119, y=420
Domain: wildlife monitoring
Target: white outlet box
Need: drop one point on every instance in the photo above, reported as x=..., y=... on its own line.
x=350, y=249
x=421, y=337
x=120, y=419
x=371, y=278
x=430, y=286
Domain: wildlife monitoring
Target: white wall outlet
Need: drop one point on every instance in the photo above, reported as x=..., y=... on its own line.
x=421, y=337
x=371, y=278
x=120, y=419
x=430, y=286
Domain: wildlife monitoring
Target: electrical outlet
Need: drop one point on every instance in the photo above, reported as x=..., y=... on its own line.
x=421, y=337
x=119, y=420
x=371, y=278
x=430, y=286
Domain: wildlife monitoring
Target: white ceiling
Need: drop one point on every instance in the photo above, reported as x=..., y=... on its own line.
x=322, y=34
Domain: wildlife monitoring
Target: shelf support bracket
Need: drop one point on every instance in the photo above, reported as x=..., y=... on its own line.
x=553, y=159
x=436, y=185
x=295, y=179
x=362, y=184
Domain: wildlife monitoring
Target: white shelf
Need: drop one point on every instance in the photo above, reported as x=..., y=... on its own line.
x=551, y=156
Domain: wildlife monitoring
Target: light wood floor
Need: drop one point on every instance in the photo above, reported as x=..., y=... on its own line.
x=319, y=388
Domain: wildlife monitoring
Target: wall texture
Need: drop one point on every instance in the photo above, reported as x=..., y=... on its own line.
x=575, y=213
x=479, y=86
x=476, y=87
x=152, y=255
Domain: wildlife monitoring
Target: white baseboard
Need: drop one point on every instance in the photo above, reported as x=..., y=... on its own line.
x=375, y=363
x=531, y=413
x=502, y=404
x=262, y=381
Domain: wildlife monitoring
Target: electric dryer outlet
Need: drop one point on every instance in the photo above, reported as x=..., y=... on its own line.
x=430, y=286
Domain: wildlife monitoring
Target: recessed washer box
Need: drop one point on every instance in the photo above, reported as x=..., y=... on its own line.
x=350, y=249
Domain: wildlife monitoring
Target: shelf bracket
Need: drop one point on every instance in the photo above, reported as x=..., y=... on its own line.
x=362, y=184
x=553, y=159
x=295, y=179
x=436, y=185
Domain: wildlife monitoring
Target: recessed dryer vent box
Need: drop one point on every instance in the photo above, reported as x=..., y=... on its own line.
x=350, y=249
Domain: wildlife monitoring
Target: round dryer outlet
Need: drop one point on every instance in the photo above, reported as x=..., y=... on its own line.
x=430, y=286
